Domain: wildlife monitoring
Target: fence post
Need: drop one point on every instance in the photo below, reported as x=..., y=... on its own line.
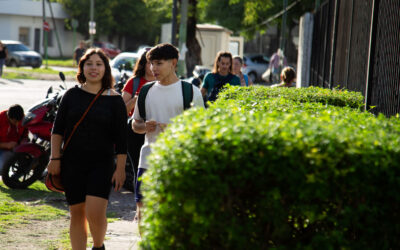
x=334, y=37
x=371, y=52
x=305, y=48
x=349, y=45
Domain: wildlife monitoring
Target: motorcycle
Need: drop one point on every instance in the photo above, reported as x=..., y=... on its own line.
x=29, y=160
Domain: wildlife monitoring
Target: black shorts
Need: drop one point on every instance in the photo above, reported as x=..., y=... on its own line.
x=81, y=178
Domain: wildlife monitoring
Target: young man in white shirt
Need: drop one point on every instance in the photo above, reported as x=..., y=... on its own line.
x=163, y=101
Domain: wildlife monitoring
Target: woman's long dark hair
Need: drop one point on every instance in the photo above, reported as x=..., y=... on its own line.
x=107, y=81
x=140, y=66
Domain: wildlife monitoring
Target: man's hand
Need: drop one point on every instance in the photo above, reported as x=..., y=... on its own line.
x=118, y=178
x=151, y=126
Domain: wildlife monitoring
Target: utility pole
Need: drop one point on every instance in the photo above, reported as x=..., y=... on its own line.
x=55, y=29
x=283, y=26
x=92, y=25
x=173, y=29
x=44, y=33
x=182, y=38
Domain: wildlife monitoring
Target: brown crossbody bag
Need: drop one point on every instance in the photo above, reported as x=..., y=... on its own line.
x=53, y=182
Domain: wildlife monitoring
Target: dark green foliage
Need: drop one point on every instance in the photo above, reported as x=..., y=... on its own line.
x=251, y=177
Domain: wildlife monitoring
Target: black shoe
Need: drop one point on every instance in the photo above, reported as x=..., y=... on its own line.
x=99, y=248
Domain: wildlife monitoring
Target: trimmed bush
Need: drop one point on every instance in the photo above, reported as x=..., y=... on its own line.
x=257, y=94
x=234, y=178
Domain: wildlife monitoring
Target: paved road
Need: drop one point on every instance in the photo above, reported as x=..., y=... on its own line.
x=25, y=92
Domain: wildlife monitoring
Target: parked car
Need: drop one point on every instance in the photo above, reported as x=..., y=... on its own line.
x=123, y=63
x=109, y=49
x=254, y=65
x=21, y=55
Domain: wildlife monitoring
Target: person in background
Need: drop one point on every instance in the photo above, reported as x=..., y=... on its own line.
x=3, y=57
x=237, y=70
x=277, y=63
x=11, y=131
x=79, y=51
x=220, y=76
x=87, y=165
x=141, y=74
x=288, y=78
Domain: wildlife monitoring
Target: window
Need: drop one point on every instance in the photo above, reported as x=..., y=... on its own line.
x=23, y=35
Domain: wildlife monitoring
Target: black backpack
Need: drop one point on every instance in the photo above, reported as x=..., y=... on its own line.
x=219, y=83
x=187, y=93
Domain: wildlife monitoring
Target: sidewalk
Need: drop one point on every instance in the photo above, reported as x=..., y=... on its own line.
x=122, y=234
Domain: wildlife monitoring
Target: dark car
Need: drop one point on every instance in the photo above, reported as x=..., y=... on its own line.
x=21, y=55
x=109, y=49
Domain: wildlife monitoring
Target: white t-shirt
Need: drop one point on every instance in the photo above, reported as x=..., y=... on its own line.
x=163, y=103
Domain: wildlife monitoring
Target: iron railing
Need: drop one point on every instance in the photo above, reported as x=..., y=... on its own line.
x=356, y=45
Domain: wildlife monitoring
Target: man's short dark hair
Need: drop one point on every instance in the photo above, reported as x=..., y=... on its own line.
x=15, y=112
x=164, y=51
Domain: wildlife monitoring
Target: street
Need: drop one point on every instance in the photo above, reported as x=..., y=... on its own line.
x=25, y=92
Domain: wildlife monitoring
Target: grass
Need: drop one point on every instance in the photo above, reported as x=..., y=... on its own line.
x=60, y=62
x=29, y=73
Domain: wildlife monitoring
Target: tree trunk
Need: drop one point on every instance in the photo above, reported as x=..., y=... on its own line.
x=193, y=55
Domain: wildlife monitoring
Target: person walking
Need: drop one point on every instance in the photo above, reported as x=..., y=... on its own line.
x=237, y=70
x=141, y=75
x=3, y=57
x=288, y=77
x=220, y=76
x=87, y=164
x=276, y=64
x=163, y=100
x=79, y=51
x=12, y=132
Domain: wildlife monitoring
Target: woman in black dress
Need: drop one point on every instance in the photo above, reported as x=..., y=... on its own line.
x=87, y=165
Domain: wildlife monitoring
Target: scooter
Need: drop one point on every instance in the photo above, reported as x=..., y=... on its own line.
x=29, y=160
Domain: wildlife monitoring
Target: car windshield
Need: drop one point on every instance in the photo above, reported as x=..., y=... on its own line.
x=128, y=61
x=17, y=47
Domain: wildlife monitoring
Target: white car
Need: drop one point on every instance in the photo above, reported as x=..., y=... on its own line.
x=123, y=63
x=254, y=65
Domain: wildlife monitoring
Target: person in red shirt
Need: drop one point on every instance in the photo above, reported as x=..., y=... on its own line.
x=11, y=131
x=143, y=74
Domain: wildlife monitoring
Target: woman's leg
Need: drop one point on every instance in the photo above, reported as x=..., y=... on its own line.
x=96, y=208
x=78, y=227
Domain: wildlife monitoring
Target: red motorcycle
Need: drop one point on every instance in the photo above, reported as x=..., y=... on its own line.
x=29, y=160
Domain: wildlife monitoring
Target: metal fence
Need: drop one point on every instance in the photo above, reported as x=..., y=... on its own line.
x=356, y=45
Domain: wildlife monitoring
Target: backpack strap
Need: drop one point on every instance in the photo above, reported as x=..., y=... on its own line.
x=187, y=93
x=246, y=79
x=136, y=82
x=142, y=99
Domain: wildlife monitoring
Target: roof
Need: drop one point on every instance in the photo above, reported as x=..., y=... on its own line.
x=31, y=8
x=212, y=27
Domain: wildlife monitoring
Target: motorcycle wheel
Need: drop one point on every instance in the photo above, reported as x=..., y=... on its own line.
x=15, y=173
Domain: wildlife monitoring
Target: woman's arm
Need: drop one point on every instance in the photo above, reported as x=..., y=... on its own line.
x=55, y=156
x=119, y=174
x=129, y=101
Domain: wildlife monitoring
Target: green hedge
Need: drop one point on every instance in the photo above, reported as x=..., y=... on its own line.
x=238, y=177
x=254, y=95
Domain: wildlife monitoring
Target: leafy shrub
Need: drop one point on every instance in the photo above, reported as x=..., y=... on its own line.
x=227, y=178
x=255, y=95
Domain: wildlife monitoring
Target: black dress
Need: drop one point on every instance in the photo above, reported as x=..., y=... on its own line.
x=87, y=165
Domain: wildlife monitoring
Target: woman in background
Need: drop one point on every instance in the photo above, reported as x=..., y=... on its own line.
x=237, y=70
x=288, y=77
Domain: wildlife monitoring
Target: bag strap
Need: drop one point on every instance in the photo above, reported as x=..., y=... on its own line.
x=142, y=99
x=136, y=82
x=83, y=116
x=187, y=93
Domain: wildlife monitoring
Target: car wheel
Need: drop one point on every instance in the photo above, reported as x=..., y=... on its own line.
x=253, y=76
x=13, y=63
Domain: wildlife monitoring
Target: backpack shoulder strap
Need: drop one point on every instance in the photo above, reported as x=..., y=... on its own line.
x=136, y=82
x=142, y=99
x=187, y=93
x=246, y=79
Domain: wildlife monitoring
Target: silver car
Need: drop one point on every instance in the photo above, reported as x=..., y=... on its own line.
x=123, y=63
x=21, y=55
x=254, y=65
